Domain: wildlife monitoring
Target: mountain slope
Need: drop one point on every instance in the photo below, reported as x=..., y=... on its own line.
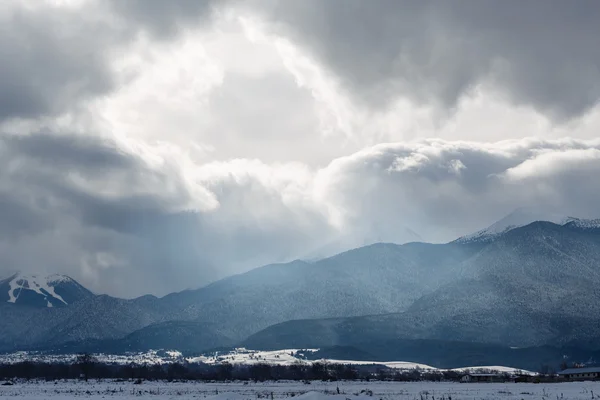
x=530, y=285
x=185, y=336
x=98, y=317
x=455, y=354
x=370, y=280
x=533, y=285
x=39, y=291
x=374, y=279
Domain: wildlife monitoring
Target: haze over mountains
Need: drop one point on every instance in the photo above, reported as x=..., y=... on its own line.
x=521, y=282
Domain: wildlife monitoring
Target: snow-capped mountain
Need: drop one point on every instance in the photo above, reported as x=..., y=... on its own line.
x=42, y=291
x=521, y=217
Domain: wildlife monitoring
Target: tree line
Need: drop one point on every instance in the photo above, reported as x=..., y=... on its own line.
x=87, y=367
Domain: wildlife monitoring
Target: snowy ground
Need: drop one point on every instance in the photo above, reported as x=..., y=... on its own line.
x=298, y=390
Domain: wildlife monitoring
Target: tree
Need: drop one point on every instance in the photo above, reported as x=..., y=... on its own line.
x=546, y=369
x=225, y=372
x=176, y=371
x=86, y=363
x=260, y=372
x=563, y=365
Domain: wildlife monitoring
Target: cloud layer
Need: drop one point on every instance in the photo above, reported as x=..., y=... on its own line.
x=147, y=148
x=539, y=53
x=88, y=208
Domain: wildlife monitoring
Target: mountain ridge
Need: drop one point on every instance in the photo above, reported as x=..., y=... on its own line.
x=487, y=303
x=521, y=217
x=455, y=291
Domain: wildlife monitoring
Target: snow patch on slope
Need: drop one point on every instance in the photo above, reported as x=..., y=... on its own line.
x=13, y=287
x=43, y=286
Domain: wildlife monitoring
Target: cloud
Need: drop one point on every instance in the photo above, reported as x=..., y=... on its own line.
x=58, y=57
x=161, y=18
x=92, y=208
x=68, y=198
x=113, y=213
x=53, y=58
x=434, y=51
x=418, y=184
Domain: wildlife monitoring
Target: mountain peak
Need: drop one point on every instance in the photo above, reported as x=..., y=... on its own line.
x=519, y=217
x=41, y=291
x=57, y=278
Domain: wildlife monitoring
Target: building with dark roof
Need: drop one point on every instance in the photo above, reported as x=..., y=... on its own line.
x=580, y=374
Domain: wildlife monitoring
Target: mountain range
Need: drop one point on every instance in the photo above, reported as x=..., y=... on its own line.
x=528, y=280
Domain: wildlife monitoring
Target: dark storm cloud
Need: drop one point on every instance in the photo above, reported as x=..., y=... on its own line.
x=35, y=177
x=20, y=216
x=51, y=60
x=45, y=163
x=62, y=151
x=542, y=53
x=164, y=18
x=41, y=224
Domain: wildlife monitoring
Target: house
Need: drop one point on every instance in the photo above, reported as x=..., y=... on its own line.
x=580, y=374
x=483, y=378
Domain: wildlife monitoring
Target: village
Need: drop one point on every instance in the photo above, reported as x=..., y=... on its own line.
x=566, y=375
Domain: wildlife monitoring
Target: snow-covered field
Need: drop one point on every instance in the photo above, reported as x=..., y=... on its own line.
x=298, y=390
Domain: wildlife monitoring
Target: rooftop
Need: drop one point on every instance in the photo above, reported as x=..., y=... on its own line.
x=570, y=371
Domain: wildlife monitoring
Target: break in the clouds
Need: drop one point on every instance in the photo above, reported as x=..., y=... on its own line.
x=147, y=147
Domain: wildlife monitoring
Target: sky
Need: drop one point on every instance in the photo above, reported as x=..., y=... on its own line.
x=149, y=146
